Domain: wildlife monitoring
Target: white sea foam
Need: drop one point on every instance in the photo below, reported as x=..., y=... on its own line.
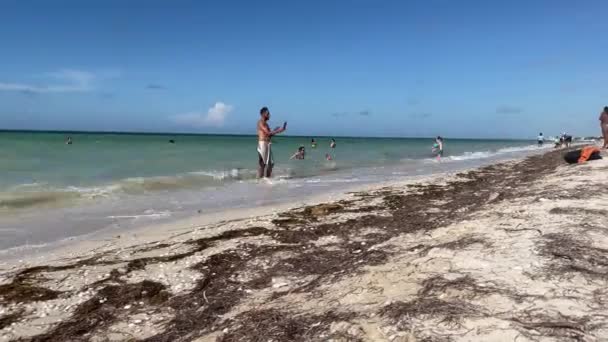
x=501, y=151
x=29, y=185
x=224, y=174
x=470, y=155
x=28, y=195
x=148, y=214
x=524, y=148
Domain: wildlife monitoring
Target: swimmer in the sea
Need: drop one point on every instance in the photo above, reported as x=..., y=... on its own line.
x=328, y=156
x=313, y=143
x=333, y=143
x=68, y=141
x=300, y=154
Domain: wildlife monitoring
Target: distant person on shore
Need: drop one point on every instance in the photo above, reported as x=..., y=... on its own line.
x=604, y=126
x=559, y=142
x=68, y=141
x=264, y=136
x=566, y=139
x=540, y=139
x=333, y=143
x=300, y=154
x=313, y=143
x=438, y=147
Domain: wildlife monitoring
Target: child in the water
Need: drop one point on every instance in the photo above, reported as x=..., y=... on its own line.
x=438, y=147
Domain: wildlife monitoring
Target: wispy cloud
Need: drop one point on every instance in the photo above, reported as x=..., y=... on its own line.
x=28, y=88
x=214, y=117
x=155, y=86
x=62, y=81
x=508, y=109
x=78, y=77
x=360, y=113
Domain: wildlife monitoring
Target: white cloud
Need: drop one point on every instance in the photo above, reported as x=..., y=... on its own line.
x=77, y=78
x=215, y=116
x=63, y=81
x=68, y=88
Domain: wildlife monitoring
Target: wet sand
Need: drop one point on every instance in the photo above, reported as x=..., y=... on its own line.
x=512, y=251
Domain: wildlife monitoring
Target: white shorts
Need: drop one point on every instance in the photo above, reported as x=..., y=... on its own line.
x=265, y=152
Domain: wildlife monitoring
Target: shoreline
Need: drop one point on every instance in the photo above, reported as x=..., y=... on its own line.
x=53, y=204
x=404, y=261
x=191, y=217
x=126, y=237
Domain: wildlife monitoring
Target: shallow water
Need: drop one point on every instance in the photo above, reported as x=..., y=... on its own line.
x=50, y=190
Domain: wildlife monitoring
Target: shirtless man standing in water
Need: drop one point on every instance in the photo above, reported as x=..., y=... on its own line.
x=264, y=137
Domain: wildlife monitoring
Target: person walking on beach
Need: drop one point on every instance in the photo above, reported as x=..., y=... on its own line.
x=540, y=139
x=264, y=136
x=333, y=143
x=604, y=126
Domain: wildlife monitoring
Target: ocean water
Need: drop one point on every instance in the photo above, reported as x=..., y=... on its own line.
x=50, y=190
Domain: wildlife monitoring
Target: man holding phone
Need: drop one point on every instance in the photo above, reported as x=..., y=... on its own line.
x=264, y=136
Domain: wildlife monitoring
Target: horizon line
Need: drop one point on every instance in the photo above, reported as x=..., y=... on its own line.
x=4, y=130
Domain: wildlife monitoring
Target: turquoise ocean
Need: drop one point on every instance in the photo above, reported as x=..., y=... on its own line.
x=50, y=190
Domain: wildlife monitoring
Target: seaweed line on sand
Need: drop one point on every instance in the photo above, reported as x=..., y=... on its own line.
x=200, y=311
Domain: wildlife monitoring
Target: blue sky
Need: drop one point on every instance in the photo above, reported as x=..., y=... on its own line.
x=359, y=67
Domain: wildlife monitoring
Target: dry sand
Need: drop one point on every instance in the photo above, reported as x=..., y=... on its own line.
x=516, y=251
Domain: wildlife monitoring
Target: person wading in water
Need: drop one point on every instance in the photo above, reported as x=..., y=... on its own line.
x=265, y=162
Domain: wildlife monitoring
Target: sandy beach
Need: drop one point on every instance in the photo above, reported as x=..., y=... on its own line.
x=514, y=251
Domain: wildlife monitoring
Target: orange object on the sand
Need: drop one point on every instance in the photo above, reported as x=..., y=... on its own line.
x=586, y=153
